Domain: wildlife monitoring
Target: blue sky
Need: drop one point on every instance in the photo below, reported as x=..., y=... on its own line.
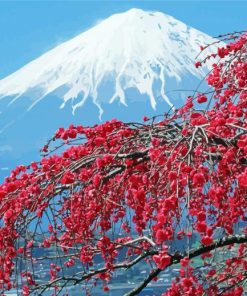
x=30, y=28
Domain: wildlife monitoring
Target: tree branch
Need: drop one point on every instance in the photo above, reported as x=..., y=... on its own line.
x=237, y=239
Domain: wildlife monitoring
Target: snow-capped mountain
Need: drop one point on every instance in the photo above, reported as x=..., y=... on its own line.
x=126, y=66
x=134, y=49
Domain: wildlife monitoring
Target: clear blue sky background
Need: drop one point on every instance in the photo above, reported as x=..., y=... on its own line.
x=30, y=28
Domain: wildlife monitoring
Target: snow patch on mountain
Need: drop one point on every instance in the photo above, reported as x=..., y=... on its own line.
x=132, y=50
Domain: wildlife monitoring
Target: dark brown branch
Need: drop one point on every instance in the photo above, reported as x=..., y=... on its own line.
x=237, y=239
x=174, y=260
x=89, y=275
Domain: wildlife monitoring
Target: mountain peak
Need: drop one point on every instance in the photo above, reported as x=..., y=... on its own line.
x=134, y=49
x=138, y=12
x=134, y=11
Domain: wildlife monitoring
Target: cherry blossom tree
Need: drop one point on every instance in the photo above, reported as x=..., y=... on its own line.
x=170, y=191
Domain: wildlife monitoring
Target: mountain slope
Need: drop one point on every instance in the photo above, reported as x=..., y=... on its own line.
x=134, y=49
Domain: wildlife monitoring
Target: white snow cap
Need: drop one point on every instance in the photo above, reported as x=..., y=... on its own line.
x=132, y=49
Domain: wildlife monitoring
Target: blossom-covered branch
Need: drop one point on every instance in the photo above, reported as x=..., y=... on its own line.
x=157, y=193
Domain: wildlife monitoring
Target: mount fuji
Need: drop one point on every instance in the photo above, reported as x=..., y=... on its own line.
x=125, y=67
x=131, y=50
